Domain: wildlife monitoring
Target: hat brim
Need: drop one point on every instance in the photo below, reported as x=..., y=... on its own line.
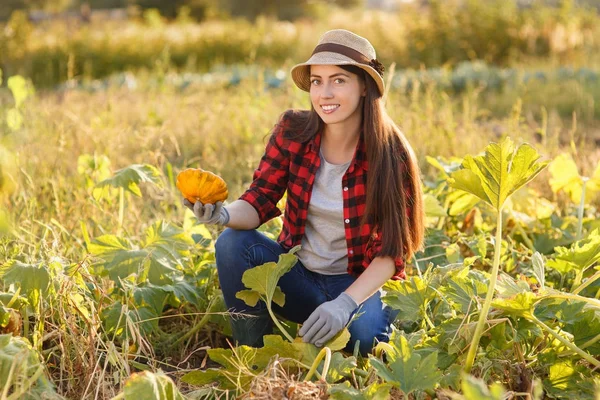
x=301, y=72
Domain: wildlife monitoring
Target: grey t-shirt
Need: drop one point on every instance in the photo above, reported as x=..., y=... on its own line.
x=324, y=248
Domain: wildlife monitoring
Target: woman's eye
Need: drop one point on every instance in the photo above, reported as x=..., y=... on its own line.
x=314, y=82
x=339, y=80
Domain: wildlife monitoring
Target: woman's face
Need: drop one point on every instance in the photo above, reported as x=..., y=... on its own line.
x=336, y=93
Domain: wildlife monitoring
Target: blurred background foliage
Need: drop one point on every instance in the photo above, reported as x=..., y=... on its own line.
x=52, y=41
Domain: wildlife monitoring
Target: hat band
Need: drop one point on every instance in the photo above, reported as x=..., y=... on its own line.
x=350, y=53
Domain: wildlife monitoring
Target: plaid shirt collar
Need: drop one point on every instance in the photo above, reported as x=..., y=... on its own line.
x=360, y=153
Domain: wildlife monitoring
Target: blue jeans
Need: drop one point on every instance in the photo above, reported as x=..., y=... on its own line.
x=240, y=250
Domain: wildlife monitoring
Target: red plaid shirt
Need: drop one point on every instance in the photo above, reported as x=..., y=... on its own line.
x=292, y=165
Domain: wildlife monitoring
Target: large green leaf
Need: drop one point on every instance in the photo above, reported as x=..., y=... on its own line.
x=152, y=296
x=410, y=297
x=262, y=280
x=407, y=369
x=128, y=178
x=567, y=380
x=237, y=372
x=151, y=386
x=159, y=257
x=520, y=305
x=585, y=329
x=119, y=320
x=32, y=279
x=499, y=172
x=275, y=345
x=462, y=287
x=580, y=256
x=17, y=354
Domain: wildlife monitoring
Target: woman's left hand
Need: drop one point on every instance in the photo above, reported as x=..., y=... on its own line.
x=327, y=320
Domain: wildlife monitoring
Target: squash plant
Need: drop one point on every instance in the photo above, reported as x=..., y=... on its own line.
x=493, y=177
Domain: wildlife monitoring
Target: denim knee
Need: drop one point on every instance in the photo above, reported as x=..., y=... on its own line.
x=228, y=241
x=366, y=338
x=372, y=327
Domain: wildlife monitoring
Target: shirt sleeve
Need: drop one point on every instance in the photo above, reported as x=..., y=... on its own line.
x=270, y=178
x=372, y=251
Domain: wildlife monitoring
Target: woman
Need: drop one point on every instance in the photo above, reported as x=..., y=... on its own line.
x=355, y=232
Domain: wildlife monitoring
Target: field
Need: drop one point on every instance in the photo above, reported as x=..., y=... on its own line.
x=108, y=286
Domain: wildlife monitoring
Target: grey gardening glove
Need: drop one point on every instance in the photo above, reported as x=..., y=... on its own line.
x=208, y=213
x=327, y=320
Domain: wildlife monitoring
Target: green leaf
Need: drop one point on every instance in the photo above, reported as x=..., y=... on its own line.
x=410, y=297
x=237, y=373
x=375, y=391
x=520, y=305
x=463, y=287
x=275, y=345
x=339, y=341
x=263, y=280
x=507, y=286
x=566, y=380
x=462, y=202
x=128, y=178
x=585, y=329
x=433, y=208
x=118, y=320
x=580, y=256
x=151, y=386
x=407, y=370
x=565, y=177
x=499, y=172
x=250, y=297
x=159, y=256
x=205, y=377
x=151, y=296
x=340, y=367
x=475, y=389
x=444, y=166
x=183, y=290
x=17, y=354
x=33, y=280
x=537, y=261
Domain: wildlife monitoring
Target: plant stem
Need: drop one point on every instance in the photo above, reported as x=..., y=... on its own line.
x=27, y=385
x=564, y=341
x=525, y=237
x=488, y=298
x=426, y=318
x=194, y=330
x=587, y=283
x=325, y=352
x=581, y=206
x=571, y=296
x=381, y=347
x=276, y=321
x=121, y=210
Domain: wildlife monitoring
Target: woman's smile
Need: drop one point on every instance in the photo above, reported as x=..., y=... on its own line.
x=329, y=108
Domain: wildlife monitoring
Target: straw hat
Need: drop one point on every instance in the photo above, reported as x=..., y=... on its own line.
x=340, y=47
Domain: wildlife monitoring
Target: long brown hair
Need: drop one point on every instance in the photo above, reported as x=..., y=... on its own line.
x=390, y=156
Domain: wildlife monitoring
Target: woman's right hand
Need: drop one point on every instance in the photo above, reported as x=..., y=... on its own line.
x=208, y=213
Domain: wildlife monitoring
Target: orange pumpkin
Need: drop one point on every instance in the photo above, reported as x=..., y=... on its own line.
x=198, y=185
